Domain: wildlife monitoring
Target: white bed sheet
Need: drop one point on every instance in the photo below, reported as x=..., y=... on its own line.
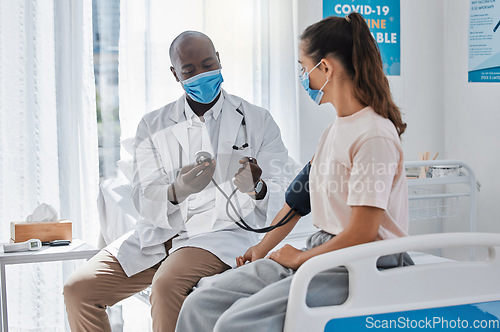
x=117, y=213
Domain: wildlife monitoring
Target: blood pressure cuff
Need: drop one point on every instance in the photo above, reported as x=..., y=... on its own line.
x=297, y=195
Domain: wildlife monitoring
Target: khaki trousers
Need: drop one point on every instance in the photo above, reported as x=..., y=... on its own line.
x=101, y=282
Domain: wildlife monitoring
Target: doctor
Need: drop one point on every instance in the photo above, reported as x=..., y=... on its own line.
x=184, y=233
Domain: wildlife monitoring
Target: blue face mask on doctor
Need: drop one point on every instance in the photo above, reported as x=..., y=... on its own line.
x=204, y=87
x=315, y=95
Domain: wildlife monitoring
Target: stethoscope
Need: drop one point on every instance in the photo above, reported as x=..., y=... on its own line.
x=202, y=156
x=244, y=125
x=235, y=147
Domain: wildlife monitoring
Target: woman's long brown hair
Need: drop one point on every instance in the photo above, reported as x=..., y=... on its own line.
x=349, y=41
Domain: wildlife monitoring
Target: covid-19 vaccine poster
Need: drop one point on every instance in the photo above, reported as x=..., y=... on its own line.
x=383, y=18
x=484, y=41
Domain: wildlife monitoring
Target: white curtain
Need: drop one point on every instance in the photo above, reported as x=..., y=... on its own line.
x=48, y=140
x=256, y=40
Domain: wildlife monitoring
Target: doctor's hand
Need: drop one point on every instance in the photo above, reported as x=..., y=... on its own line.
x=247, y=176
x=253, y=253
x=191, y=180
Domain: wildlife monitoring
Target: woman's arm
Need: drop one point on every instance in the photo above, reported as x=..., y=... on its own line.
x=271, y=239
x=274, y=237
x=363, y=227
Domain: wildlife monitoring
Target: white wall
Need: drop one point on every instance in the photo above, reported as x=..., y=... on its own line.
x=313, y=119
x=419, y=89
x=472, y=116
x=444, y=113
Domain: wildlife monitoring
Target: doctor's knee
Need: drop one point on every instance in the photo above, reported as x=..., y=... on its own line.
x=76, y=291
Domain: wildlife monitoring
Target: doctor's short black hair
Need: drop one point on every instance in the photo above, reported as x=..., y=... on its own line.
x=184, y=35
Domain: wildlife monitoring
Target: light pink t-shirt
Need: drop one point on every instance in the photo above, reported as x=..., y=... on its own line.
x=359, y=162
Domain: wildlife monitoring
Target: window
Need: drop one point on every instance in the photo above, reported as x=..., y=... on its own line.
x=106, y=32
x=259, y=45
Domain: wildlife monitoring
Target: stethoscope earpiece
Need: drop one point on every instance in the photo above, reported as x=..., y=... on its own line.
x=243, y=123
x=243, y=147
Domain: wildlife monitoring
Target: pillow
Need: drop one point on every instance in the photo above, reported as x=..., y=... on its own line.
x=126, y=166
x=128, y=145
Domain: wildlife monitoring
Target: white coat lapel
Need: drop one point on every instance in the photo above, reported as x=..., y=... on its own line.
x=180, y=133
x=229, y=127
x=180, y=130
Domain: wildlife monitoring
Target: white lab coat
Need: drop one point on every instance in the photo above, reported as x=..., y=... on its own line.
x=161, y=139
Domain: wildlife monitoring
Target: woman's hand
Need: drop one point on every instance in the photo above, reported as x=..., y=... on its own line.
x=288, y=256
x=253, y=253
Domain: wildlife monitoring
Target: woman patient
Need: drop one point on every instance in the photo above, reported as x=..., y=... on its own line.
x=358, y=191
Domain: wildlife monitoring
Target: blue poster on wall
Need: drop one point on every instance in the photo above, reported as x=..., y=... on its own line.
x=484, y=41
x=383, y=18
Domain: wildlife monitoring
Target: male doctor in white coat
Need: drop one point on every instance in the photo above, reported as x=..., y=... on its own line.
x=184, y=232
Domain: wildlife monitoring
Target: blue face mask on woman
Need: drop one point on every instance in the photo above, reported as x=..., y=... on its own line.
x=204, y=87
x=315, y=95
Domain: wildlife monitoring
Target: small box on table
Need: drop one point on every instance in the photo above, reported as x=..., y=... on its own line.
x=44, y=231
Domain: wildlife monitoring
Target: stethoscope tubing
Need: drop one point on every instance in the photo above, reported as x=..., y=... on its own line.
x=242, y=224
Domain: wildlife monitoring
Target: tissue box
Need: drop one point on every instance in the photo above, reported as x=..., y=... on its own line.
x=44, y=231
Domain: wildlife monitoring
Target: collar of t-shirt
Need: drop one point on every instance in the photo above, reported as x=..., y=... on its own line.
x=213, y=112
x=210, y=124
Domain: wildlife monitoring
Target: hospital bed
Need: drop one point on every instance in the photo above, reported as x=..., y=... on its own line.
x=431, y=283
x=435, y=293
x=434, y=296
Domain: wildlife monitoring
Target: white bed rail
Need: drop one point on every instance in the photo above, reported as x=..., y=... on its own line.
x=372, y=291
